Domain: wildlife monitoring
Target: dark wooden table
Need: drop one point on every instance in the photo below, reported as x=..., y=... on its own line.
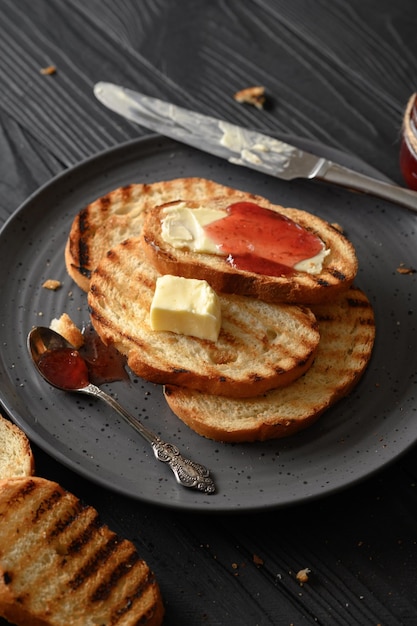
x=335, y=72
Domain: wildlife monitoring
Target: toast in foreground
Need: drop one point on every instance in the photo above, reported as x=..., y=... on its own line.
x=61, y=567
x=347, y=332
x=16, y=457
x=251, y=248
x=119, y=215
x=260, y=346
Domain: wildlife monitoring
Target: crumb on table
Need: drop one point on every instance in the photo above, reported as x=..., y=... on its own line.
x=302, y=575
x=48, y=71
x=251, y=95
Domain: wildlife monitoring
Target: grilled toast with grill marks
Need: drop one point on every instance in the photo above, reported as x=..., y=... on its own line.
x=347, y=332
x=16, y=456
x=300, y=287
x=60, y=566
x=260, y=345
x=119, y=215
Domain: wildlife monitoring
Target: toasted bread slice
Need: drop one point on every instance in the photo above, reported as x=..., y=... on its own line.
x=347, y=332
x=59, y=566
x=16, y=456
x=260, y=346
x=119, y=215
x=336, y=274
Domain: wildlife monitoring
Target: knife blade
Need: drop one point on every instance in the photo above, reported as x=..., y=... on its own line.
x=242, y=146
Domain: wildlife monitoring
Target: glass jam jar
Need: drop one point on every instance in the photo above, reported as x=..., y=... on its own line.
x=408, y=150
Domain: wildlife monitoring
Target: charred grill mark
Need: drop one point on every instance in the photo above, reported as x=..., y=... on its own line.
x=337, y=274
x=367, y=321
x=82, y=253
x=47, y=504
x=103, y=591
x=324, y=318
x=367, y=313
x=86, y=228
x=323, y=282
x=104, y=203
x=83, y=259
x=356, y=303
x=7, y=578
x=66, y=521
x=84, y=271
x=93, y=564
x=21, y=494
x=280, y=370
x=111, y=254
x=83, y=220
x=83, y=539
x=126, y=192
x=129, y=600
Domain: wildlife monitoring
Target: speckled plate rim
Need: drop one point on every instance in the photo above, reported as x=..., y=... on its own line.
x=361, y=435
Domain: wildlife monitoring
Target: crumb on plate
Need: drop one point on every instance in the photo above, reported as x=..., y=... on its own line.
x=402, y=269
x=52, y=284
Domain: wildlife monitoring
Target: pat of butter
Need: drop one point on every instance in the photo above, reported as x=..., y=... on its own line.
x=186, y=306
x=183, y=227
x=314, y=265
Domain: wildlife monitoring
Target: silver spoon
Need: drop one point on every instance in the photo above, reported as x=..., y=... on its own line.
x=43, y=341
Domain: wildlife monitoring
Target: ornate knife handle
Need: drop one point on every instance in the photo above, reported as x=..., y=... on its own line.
x=187, y=472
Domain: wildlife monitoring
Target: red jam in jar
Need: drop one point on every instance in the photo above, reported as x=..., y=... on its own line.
x=408, y=150
x=260, y=240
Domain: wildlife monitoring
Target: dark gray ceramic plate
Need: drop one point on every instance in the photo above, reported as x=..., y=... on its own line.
x=357, y=437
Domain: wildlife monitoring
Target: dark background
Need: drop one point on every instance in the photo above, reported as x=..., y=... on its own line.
x=337, y=72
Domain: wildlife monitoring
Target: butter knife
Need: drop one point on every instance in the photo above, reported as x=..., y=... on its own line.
x=241, y=146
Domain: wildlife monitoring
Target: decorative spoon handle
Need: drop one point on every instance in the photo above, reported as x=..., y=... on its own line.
x=187, y=472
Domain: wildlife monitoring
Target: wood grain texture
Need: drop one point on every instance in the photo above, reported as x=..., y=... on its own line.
x=313, y=73
x=337, y=72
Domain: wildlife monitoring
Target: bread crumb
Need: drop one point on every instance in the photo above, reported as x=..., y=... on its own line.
x=48, y=71
x=405, y=270
x=302, y=575
x=257, y=560
x=52, y=284
x=251, y=95
x=66, y=327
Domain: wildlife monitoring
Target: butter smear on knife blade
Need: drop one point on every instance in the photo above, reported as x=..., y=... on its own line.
x=241, y=146
x=255, y=148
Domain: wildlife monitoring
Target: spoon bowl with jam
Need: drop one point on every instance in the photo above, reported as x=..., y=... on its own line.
x=63, y=367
